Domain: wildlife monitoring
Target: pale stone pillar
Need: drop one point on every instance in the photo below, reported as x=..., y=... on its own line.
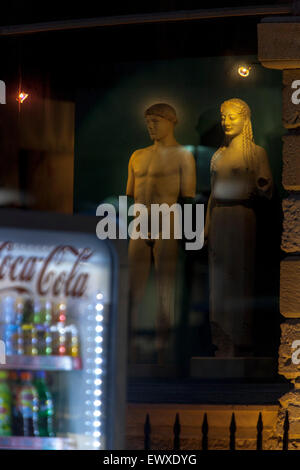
x=279, y=48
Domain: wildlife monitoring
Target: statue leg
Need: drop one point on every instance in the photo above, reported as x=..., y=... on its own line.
x=231, y=271
x=165, y=260
x=139, y=254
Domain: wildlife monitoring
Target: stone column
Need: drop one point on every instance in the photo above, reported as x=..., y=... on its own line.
x=279, y=48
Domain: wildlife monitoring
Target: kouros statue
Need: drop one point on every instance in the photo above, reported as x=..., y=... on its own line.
x=240, y=174
x=158, y=174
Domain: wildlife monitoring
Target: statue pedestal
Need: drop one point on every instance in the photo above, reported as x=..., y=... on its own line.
x=233, y=367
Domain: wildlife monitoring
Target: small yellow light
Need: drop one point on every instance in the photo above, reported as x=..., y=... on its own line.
x=244, y=71
x=22, y=97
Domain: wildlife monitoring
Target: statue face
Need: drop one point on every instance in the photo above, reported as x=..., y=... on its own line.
x=232, y=121
x=158, y=127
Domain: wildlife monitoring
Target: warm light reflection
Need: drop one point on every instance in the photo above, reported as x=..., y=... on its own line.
x=244, y=71
x=22, y=97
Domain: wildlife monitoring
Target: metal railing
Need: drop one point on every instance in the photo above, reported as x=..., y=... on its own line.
x=205, y=433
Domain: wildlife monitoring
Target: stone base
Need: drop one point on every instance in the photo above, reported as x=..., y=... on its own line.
x=236, y=367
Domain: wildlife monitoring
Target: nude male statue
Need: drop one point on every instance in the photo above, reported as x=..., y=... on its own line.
x=160, y=173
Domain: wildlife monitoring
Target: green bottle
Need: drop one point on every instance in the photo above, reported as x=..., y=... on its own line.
x=37, y=313
x=5, y=405
x=46, y=408
x=42, y=312
x=28, y=312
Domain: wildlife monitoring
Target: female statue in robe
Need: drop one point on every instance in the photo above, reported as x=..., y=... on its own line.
x=240, y=174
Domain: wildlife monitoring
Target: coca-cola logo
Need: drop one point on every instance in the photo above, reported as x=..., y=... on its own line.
x=44, y=271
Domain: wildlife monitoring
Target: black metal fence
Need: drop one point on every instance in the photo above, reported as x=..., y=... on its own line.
x=205, y=430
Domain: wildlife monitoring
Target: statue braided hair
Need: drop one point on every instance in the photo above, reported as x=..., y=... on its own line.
x=248, y=141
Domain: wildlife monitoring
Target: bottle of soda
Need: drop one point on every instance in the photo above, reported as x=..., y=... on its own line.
x=20, y=341
x=47, y=313
x=28, y=311
x=34, y=341
x=30, y=340
x=44, y=340
x=37, y=312
x=8, y=309
x=19, y=311
x=62, y=344
x=9, y=328
x=62, y=314
x=28, y=405
x=48, y=341
x=16, y=418
x=5, y=405
x=10, y=338
x=46, y=408
x=72, y=341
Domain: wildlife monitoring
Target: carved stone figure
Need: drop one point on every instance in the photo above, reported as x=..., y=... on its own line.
x=160, y=173
x=240, y=174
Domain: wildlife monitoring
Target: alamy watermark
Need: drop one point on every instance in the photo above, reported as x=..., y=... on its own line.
x=159, y=221
x=296, y=353
x=2, y=92
x=296, y=94
x=2, y=352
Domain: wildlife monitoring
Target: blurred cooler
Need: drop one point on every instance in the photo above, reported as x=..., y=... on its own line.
x=63, y=306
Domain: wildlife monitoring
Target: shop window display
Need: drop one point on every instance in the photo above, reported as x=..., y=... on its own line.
x=96, y=120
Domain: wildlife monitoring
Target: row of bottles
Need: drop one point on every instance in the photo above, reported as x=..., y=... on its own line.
x=37, y=327
x=26, y=405
x=37, y=340
x=36, y=311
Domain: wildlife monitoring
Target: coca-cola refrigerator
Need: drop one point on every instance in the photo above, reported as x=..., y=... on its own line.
x=63, y=330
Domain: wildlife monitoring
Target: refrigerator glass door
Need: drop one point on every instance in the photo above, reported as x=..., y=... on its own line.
x=73, y=273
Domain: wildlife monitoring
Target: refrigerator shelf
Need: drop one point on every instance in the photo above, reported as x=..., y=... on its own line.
x=42, y=363
x=37, y=443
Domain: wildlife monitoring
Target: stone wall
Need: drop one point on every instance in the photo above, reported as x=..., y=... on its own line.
x=279, y=48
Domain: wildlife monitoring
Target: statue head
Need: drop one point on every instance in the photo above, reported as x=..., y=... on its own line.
x=161, y=119
x=236, y=118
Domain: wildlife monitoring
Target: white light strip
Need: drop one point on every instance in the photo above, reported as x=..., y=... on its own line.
x=95, y=355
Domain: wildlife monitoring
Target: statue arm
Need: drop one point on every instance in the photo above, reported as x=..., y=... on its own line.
x=188, y=176
x=130, y=179
x=264, y=180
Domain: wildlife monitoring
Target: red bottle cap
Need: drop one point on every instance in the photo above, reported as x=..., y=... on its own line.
x=26, y=376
